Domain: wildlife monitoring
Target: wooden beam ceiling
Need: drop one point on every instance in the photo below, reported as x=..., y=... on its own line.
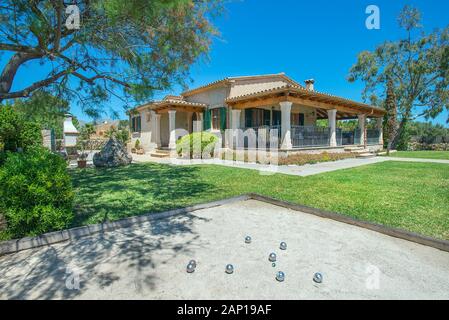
x=166, y=108
x=297, y=98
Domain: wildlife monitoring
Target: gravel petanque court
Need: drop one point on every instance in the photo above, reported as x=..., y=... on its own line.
x=149, y=260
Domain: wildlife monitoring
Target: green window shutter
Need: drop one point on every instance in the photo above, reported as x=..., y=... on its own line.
x=223, y=112
x=206, y=120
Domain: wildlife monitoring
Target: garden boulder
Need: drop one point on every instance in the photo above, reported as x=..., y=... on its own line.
x=113, y=154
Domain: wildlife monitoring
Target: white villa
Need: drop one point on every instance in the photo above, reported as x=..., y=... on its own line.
x=272, y=101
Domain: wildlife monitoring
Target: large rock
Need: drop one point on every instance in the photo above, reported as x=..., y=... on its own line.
x=113, y=154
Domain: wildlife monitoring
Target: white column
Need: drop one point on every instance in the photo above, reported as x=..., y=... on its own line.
x=198, y=124
x=235, y=119
x=286, y=108
x=332, y=116
x=158, y=129
x=189, y=122
x=172, y=128
x=362, y=120
x=235, y=125
x=153, y=125
x=200, y=116
x=380, y=122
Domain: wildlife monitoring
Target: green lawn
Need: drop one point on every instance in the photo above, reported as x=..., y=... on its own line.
x=411, y=196
x=441, y=155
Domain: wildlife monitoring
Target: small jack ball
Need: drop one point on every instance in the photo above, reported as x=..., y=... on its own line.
x=190, y=268
x=248, y=239
x=229, y=269
x=318, y=277
x=273, y=265
x=283, y=246
x=280, y=276
x=272, y=257
x=193, y=262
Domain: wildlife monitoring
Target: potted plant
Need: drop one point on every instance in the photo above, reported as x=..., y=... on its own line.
x=136, y=147
x=82, y=160
x=82, y=156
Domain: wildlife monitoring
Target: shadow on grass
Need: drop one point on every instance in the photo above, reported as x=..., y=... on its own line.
x=111, y=194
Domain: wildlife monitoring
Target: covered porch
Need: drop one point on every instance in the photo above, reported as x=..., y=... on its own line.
x=294, y=113
x=161, y=123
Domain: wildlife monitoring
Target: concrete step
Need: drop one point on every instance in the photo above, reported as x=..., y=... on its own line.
x=361, y=151
x=366, y=155
x=162, y=151
x=160, y=155
x=354, y=148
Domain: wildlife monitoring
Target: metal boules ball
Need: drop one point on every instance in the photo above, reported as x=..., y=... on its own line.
x=193, y=262
x=283, y=246
x=318, y=277
x=190, y=268
x=280, y=276
x=272, y=257
x=248, y=239
x=229, y=269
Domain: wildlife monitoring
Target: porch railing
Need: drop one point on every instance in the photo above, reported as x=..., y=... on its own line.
x=372, y=136
x=348, y=137
x=310, y=136
x=267, y=131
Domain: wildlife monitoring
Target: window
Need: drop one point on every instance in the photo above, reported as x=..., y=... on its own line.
x=136, y=124
x=216, y=118
x=277, y=117
x=297, y=119
x=257, y=118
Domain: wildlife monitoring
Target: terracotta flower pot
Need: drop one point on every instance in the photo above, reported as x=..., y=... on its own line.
x=82, y=164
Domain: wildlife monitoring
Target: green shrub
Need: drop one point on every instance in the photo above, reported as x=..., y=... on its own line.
x=36, y=193
x=137, y=144
x=17, y=133
x=205, y=139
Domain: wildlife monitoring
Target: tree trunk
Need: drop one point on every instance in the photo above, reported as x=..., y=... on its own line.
x=10, y=70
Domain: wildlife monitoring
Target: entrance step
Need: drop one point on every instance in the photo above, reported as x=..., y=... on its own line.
x=354, y=149
x=161, y=153
x=366, y=155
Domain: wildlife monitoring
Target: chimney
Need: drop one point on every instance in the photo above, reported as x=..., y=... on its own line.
x=310, y=84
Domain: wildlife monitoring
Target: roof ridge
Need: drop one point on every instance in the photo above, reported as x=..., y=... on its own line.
x=210, y=84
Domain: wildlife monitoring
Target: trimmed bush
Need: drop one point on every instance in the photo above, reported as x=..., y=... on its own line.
x=36, y=193
x=208, y=141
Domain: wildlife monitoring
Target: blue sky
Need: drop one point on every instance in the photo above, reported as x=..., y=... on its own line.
x=316, y=39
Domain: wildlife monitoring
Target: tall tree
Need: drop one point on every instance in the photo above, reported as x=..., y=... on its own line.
x=391, y=116
x=44, y=109
x=123, y=49
x=418, y=66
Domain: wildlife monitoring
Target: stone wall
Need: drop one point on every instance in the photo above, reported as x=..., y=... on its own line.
x=48, y=140
x=416, y=146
